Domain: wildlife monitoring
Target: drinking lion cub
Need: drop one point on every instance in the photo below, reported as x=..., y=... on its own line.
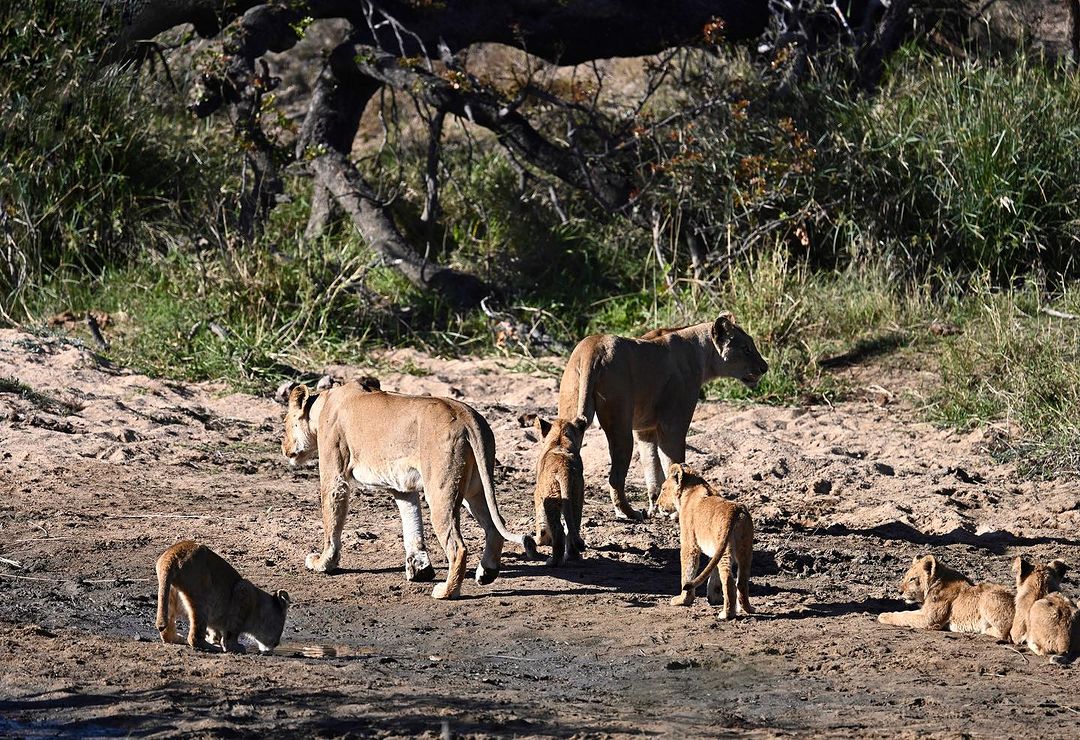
x=950, y=601
x=720, y=529
x=560, y=487
x=220, y=604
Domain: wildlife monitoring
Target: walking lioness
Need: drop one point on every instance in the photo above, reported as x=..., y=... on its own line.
x=647, y=389
x=406, y=444
x=709, y=524
x=951, y=602
x=220, y=604
x=560, y=487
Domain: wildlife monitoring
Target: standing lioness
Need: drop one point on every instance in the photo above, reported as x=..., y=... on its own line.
x=406, y=444
x=647, y=389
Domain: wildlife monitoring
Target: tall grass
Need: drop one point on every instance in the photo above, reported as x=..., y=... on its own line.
x=831, y=224
x=93, y=173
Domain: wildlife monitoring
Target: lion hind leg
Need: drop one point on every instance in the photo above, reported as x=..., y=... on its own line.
x=417, y=563
x=491, y=560
x=744, y=556
x=553, y=509
x=445, y=520
x=621, y=448
x=727, y=580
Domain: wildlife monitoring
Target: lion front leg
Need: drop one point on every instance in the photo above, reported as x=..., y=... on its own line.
x=335, y=506
x=417, y=563
x=916, y=619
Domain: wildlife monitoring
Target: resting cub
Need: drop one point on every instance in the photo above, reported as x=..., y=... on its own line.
x=718, y=528
x=560, y=487
x=219, y=603
x=951, y=602
x=1046, y=620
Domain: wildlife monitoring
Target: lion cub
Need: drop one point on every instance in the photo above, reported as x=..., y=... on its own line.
x=219, y=603
x=560, y=487
x=1046, y=620
x=951, y=602
x=720, y=529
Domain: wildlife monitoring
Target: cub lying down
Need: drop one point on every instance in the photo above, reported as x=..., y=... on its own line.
x=1046, y=620
x=718, y=528
x=219, y=603
x=951, y=602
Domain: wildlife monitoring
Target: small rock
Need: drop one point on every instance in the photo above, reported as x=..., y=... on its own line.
x=884, y=469
x=823, y=487
x=679, y=665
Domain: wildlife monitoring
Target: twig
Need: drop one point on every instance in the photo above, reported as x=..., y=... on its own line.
x=1059, y=314
x=95, y=331
x=12, y=563
x=160, y=516
x=1010, y=647
x=29, y=578
x=511, y=657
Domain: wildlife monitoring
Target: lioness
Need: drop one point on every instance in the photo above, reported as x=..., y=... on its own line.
x=220, y=605
x=560, y=487
x=720, y=529
x=406, y=444
x=646, y=390
x=951, y=602
x=1046, y=620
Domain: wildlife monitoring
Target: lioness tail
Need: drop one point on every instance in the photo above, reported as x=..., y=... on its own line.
x=476, y=441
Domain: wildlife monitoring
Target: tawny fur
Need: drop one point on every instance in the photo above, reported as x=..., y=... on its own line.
x=951, y=602
x=644, y=392
x=721, y=530
x=219, y=603
x=404, y=444
x=1046, y=620
x=560, y=487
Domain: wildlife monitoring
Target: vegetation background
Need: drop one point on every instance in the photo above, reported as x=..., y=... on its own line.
x=931, y=225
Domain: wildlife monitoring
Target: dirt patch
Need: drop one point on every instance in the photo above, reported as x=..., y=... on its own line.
x=101, y=469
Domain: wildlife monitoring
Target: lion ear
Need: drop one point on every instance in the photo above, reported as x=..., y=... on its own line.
x=283, y=599
x=297, y=396
x=581, y=423
x=369, y=383
x=1022, y=568
x=325, y=383
x=723, y=327
x=281, y=395
x=675, y=473
x=542, y=426
x=1059, y=568
x=930, y=565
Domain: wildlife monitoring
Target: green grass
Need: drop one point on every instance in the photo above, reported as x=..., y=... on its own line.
x=43, y=401
x=838, y=227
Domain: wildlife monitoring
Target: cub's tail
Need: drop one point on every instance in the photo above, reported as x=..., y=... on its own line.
x=721, y=548
x=166, y=623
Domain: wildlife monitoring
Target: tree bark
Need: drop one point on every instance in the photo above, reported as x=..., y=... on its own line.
x=340, y=96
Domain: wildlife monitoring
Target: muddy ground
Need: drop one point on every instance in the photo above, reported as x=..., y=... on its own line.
x=101, y=469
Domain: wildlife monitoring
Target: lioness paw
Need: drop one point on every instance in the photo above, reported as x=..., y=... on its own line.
x=682, y=599
x=319, y=564
x=442, y=591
